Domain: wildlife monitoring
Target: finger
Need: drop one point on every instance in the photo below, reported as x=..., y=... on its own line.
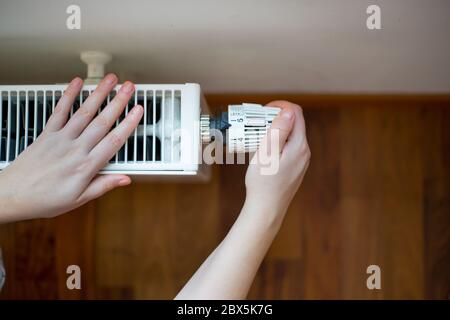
x=101, y=185
x=101, y=125
x=279, y=131
x=59, y=117
x=112, y=143
x=298, y=135
x=299, y=125
x=89, y=108
x=284, y=123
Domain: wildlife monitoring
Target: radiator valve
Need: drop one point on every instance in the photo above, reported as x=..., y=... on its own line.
x=243, y=126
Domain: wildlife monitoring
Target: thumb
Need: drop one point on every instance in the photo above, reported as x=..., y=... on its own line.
x=101, y=185
x=279, y=130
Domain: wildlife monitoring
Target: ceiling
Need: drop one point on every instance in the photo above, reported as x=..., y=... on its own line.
x=235, y=46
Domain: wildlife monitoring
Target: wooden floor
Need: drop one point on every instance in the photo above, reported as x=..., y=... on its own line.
x=377, y=192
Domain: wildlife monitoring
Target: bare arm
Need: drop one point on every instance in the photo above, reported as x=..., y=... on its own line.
x=229, y=271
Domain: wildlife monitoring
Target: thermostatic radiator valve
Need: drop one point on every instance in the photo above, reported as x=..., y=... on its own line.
x=243, y=125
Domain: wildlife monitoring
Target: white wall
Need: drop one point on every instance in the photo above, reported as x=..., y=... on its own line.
x=235, y=46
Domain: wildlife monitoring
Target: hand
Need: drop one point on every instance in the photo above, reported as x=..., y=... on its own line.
x=229, y=271
x=275, y=191
x=58, y=172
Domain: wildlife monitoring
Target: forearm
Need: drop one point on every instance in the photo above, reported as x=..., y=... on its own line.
x=229, y=271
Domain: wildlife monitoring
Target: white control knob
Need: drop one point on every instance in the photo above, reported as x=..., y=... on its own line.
x=248, y=125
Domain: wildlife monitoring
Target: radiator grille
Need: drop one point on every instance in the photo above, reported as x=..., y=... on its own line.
x=156, y=144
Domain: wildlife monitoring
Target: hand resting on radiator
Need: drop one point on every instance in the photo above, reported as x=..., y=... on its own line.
x=58, y=171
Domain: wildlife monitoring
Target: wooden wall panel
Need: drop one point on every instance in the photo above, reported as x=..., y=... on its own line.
x=376, y=192
x=381, y=191
x=74, y=245
x=114, y=260
x=436, y=202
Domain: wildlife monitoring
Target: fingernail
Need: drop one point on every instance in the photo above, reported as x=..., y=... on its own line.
x=75, y=81
x=287, y=114
x=124, y=182
x=127, y=87
x=110, y=78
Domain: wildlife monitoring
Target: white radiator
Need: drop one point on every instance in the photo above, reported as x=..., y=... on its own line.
x=166, y=142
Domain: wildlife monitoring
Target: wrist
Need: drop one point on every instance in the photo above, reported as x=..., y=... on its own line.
x=6, y=212
x=8, y=207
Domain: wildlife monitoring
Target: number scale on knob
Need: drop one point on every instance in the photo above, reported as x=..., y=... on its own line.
x=249, y=123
